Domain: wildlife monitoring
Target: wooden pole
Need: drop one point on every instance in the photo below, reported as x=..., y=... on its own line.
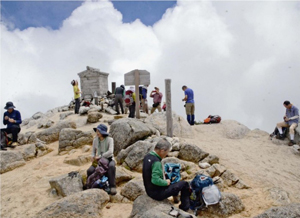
x=137, y=93
x=113, y=87
x=169, y=108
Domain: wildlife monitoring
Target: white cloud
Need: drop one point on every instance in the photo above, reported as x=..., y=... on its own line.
x=240, y=58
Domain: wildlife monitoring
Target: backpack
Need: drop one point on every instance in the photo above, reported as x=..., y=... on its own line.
x=172, y=172
x=212, y=119
x=128, y=98
x=203, y=192
x=5, y=140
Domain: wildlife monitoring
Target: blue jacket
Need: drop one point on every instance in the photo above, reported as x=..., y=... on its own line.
x=14, y=115
x=291, y=113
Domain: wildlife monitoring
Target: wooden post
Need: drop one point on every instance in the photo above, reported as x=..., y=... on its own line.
x=169, y=108
x=137, y=93
x=113, y=87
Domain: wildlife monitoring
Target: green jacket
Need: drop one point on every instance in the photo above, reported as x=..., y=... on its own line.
x=157, y=176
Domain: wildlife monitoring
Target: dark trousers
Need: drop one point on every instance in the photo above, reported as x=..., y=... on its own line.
x=173, y=190
x=119, y=101
x=14, y=131
x=77, y=105
x=111, y=173
x=132, y=110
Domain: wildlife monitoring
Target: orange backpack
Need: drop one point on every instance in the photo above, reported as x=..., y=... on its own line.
x=212, y=119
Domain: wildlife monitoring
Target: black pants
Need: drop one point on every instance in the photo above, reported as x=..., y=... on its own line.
x=119, y=100
x=132, y=110
x=111, y=173
x=77, y=105
x=173, y=190
x=14, y=131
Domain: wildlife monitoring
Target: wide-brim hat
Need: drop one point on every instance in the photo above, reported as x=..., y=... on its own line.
x=102, y=129
x=9, y=105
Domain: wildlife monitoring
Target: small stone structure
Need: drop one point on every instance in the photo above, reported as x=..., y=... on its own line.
x=93, y=80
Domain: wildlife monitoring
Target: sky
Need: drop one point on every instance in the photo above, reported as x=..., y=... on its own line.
x=240, y=58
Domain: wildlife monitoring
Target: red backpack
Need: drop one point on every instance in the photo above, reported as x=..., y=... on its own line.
x=128, y=98
x=212, y=119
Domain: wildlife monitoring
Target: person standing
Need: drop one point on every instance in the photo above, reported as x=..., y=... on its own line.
x=12, y=118
x=119, y=96
x=132, y=105
x=156, y=186
x=157, y=96
x=189, y=104
x=103, y=146
x=291, y=120
x=76, y=95
x=144, y=99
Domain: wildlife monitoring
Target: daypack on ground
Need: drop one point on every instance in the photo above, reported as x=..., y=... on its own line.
x=100, y=170
x=203, y=192
x=128, y=98
x=212, y=119
x=172, y=172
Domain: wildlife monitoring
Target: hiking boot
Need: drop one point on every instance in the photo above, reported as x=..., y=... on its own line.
x=280, y=137
x=113, y=191
x=291, y=143
x=14, y=144
x=176, y=199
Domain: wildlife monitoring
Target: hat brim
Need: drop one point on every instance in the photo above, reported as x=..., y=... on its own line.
x=101, y=131
x=6, y=108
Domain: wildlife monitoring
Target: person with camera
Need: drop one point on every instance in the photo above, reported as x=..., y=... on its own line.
x=157, y=96
x=189, y=104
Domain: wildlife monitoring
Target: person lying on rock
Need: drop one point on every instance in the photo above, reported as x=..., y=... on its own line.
x=157, y=187
x=103, y=146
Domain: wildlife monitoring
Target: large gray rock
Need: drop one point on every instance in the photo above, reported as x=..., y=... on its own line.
x=10, y=160
x=211, y=159
x=28, y=151
x=133, y=155
x=229, y=178
x=144, y=203
x=181, y=128
x=79, y=160
x=94, y=117
x=69, y=137
x=26, y=138
x=288, y=211
x=83, y=204
x=192, y=153
x=38, y=115
x=229, y=204
x=127, y=131
x=234, y=129
x=122, y=175
x=66, y=185
x=133, y=189
x=52, y=134
x=83, y=110
x=63, y=116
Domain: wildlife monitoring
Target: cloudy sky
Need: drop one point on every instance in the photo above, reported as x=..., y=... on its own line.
x=240, y=58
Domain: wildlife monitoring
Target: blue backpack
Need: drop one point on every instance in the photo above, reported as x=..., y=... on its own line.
x=172, y=172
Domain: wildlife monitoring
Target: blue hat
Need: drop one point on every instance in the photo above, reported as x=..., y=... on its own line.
x=9, y=105
x=102, y=129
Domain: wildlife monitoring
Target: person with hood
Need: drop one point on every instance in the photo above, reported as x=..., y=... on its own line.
x=12, y=118
x=77, y=92
x=119, y=97
x=103, y=146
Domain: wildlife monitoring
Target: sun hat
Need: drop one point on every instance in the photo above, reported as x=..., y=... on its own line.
x=9, y=105
x=102, y=129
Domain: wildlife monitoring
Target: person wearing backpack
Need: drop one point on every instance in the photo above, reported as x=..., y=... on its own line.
x=144, y=99
x=12, y=118
x=189, y=104
x=156, y=186
x=103, y=146
x=291, y=120
x=119, y=96
x=157, y=96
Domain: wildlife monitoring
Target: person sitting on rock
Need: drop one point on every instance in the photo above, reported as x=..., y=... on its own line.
x=291, y=120
x=12, y=118
x=157, y=187
x=103, y=146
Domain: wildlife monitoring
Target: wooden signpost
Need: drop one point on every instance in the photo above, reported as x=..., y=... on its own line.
x=137, y=77
x=169, y=108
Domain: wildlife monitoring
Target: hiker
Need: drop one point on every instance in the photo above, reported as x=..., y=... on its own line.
x=119, y=96
x=157, y=187
x=189, y=104
x=77, y=92
x=144, y=99
x=132, y=104
x=103, y=146
x=12, y=118
x=157, y=96
x=291, y=120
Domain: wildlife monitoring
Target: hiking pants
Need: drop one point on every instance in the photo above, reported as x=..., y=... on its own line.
x=190, y=108
x=77, y=105
x=145, y=106
x=154, y=108
x=14, y=132
x=291, y=128
x=173, y=190
x=111, y=173
x=132, y=110
x=119, y=100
